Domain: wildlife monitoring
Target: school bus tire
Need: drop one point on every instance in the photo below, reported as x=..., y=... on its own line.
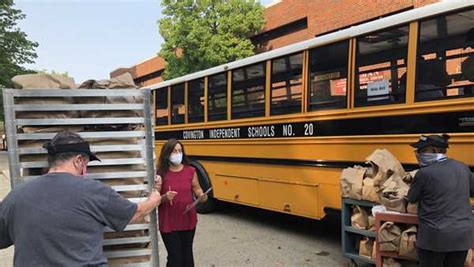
x=211, y=203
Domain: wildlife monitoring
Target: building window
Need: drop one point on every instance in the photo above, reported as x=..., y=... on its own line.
x=381, y=67
x=196, y=101
x=161, y=106
x=445, y=59
x=286, y=84
x=248, y=91
x=328, y=76
x=177, y=104
x=217, y=97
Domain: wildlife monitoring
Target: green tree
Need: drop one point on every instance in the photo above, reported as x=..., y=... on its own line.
x=199, y=34
x=53, y=72
x=15, y=48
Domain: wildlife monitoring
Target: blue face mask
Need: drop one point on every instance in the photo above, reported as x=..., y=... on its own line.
x=425, y=159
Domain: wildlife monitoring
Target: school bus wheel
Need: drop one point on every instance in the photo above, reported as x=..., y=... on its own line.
x=210, y=205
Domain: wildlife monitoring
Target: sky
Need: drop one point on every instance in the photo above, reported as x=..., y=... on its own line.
x=90, y=38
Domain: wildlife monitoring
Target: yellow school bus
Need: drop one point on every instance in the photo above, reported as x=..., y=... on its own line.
x=274, y=130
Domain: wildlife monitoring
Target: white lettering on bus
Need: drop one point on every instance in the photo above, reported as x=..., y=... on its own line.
x=288, y=130
x=261, y=131
x=224, y=133
x=308, y=129
x=466, y=121
x=198, y=134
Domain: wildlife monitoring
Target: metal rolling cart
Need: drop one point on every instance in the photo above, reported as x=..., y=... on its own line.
x=351, y=236
x=144, y=148
x=398, y=218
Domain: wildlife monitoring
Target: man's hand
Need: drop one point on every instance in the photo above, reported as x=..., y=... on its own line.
x=145, y=207
x=155, y=197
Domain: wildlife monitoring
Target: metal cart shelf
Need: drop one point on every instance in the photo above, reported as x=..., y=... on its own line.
x=351, y=236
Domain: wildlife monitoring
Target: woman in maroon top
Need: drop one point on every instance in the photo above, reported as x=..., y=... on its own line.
x=177, y=181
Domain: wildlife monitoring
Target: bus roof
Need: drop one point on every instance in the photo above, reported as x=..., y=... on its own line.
x=393, y=20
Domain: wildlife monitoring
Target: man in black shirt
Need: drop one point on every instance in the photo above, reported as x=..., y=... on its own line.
x=58, y=219
x=442, y=188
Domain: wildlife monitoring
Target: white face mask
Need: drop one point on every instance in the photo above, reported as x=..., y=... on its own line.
x=176, y=158
x=425, y=159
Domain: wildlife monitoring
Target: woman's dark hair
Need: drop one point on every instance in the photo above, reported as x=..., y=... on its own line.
x=164, y=159
x=63, y=138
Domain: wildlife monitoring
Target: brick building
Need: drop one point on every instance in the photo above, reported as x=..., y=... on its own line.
x=291, y=21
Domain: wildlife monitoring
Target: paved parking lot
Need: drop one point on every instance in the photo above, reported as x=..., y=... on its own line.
x=243, y=236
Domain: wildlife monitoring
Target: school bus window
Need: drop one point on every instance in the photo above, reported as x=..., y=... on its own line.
x=328, y=76
x=445, y=62
x=381, y=67
x=177, y=104
x=217, y=97
x=196, y=101
x=248, y=91
x=286, y=85
x=161, y=106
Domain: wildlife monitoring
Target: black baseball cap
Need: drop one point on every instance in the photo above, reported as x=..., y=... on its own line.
x=434, y=140
x=82, y=147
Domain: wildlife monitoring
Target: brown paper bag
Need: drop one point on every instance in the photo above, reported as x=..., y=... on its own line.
x=366, y=245
x=371, y=223
x=368, y=191
x=124, y=81
x=412, y=208
x=408, y=244
x=394, y=193
x=374, y=251
x=390, y=262
x=393, y=203
x=384, y=165
x=45, y=81
x=359, y=218
x=389, y=237
x=409, y=177
x=370, y=172
x=351, y=182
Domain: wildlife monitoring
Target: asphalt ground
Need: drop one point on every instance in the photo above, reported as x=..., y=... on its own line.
x=243, y=236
